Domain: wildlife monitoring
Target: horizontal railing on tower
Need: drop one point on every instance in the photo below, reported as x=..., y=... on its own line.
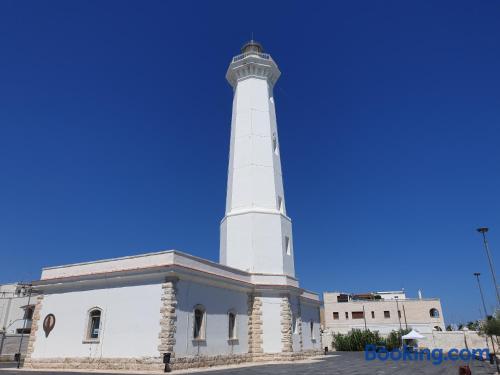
x=246, y=54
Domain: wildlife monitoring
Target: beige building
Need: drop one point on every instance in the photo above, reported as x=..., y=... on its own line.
x=382, y=312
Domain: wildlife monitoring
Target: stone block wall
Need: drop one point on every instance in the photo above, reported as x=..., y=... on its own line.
x=254, y=323
x=286, y=324
x=168, y=317
x=35, y=325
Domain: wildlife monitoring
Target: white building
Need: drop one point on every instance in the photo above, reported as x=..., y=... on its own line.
x=16, y=311
x=381, y=311
x=127, y=312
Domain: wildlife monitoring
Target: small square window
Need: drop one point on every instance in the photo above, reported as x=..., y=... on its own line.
x=346, y=315
x=336, y=315
x=373, y=314
x=387, y=314
x=342, y=298
x=358, y=314
x=28, y=312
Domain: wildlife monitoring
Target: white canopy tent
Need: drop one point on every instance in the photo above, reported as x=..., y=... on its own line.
x=413, y=335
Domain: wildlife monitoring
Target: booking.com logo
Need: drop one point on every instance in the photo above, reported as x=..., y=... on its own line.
x=436, y=356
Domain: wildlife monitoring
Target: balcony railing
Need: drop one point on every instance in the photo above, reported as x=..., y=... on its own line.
x=387, y=300
x=260, y=54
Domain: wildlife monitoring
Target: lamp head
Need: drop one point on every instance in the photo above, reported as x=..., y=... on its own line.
x=482, y=229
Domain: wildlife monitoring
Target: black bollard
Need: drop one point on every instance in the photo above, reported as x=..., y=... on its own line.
x=166, y=361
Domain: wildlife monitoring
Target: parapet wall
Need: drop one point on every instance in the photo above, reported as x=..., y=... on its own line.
x=447, y=340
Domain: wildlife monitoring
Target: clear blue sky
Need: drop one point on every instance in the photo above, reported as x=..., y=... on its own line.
x=115, y=120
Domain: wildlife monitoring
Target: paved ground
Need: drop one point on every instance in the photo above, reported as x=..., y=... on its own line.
x=342, y=363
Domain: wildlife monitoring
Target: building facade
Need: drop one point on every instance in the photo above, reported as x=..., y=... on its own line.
x=382, y=312
x=16, y=312
x=127, y=313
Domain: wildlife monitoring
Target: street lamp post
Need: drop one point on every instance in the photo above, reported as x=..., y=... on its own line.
x=483, y=231
x=477, y=274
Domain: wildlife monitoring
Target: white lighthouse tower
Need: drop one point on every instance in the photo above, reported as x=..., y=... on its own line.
x=256, y=233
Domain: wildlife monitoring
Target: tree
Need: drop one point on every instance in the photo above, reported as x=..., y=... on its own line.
x=473, y=326
x=491, y=326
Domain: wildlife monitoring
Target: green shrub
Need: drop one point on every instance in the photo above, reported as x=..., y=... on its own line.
x=393, y=341
x=357, y=339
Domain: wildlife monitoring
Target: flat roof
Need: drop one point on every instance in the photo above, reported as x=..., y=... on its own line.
x=165, y=261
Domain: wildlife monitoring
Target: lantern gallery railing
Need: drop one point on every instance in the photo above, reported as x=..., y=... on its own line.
x=260, y=54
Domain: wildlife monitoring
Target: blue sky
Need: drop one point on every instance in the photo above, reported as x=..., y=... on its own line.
x=115, y=120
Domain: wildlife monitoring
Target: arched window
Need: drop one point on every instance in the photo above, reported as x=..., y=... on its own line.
x=434, y=313
x=94, y=324
x=231, y=325
x=199, y=323
x=437, y=328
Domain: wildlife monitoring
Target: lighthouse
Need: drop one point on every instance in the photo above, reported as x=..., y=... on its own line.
x=247, y=307
x=256, y=232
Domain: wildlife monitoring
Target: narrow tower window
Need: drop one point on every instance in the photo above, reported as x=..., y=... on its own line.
x=232, y=325
x=281, y=207
x=199, y=323
x=287, y=245
x=275, y=144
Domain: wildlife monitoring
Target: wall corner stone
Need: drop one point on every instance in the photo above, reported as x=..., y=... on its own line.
x=168, y=320
x=286, y=324
x=254, y=323
x=35, y=323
